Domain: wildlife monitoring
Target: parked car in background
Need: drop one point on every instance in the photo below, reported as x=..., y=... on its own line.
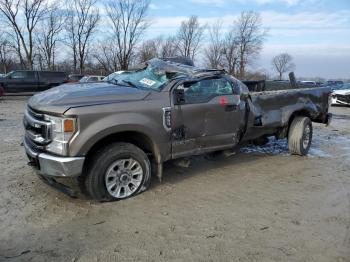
x=112, y=76
x=86, y=79
x=308, y=83
x=334, y=83
x=341, y=95
x=338, y=87
x=74, y=78
x=31, y=81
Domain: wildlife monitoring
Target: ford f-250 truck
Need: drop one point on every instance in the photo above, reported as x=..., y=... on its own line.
x=115, y=136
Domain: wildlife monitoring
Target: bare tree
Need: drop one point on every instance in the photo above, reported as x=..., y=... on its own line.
x=169, y=47
x=231, y=53
x=106, y=55
x=282, y=63
x=6, y=58
x=249, y=36
x=149, y=49
x=81, y=23
x=257, y=75
x=189, y=37
x=157, y=47
x=15, y=49
x=49, y=36
x=215, y=49
x=16, y=45
x=128, y=19
x=71, y=38
x=23, y=17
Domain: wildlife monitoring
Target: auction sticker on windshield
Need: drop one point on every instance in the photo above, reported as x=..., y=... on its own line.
x=147, y=82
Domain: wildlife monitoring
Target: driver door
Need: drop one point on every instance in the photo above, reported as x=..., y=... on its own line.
x=209, y=118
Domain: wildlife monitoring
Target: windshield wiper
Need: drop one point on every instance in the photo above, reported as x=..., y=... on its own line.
x=130, y=83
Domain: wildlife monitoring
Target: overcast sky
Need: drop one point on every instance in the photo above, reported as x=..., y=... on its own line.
x=315, y=32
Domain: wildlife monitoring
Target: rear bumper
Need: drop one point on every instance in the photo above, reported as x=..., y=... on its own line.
x=54, y=166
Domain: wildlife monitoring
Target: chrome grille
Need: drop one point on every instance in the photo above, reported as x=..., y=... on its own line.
x=37, y=130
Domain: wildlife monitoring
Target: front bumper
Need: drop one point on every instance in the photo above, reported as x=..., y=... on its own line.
x=54, y=166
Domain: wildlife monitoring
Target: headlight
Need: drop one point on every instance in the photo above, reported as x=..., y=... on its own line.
x=62, y=130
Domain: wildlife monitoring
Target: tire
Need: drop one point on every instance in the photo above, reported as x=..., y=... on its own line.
x=300, y=136
x=118, y=164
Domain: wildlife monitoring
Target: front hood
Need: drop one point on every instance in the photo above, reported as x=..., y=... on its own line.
x=60, y=99
x=342, y=92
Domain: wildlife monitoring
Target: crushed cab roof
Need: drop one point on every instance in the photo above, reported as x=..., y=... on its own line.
x=191, y=71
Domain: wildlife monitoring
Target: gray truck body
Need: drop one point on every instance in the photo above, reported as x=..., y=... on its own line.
x=159, y=124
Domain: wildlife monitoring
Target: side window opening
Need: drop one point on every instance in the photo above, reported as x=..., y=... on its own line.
x=23, y=75
x=18, y=75
x=204, y=90
x=223, y=87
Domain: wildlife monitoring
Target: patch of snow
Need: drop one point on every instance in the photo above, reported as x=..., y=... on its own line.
x=280, y=147
x=316, y=152
x=273, y=147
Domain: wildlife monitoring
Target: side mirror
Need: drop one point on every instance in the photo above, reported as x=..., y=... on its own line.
x=179, y=96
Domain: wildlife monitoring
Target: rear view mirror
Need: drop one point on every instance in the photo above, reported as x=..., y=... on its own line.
x=179, y=96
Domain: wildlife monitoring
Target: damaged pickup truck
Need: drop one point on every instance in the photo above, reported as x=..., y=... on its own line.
x=114, y=136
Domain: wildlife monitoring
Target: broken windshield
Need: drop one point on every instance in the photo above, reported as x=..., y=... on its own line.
x=151, y=77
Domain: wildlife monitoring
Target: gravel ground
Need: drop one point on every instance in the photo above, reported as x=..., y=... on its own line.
x=261, y=204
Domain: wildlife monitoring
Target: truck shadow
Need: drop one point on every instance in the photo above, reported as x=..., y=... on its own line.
x=201, y=164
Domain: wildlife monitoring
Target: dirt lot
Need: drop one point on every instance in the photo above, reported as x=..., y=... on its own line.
x=259, y=205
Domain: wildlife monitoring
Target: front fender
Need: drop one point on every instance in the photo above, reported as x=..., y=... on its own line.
x=93, y=130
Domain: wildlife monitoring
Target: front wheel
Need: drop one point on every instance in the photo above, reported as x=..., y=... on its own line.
x=300, y=136
x=117, y=171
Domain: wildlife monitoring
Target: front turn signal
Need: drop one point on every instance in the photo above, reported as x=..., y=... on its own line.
x=68, y=126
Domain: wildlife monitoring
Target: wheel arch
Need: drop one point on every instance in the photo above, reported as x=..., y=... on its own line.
x=137, y=138
x=284, y=130
x=302, y=112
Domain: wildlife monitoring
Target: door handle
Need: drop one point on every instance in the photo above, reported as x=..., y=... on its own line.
x=229, y=108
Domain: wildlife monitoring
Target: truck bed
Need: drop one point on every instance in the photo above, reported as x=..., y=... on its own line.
x=271, y=110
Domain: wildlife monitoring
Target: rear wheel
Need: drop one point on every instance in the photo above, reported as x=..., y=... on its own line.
x=300, y=136
x=116, y=172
